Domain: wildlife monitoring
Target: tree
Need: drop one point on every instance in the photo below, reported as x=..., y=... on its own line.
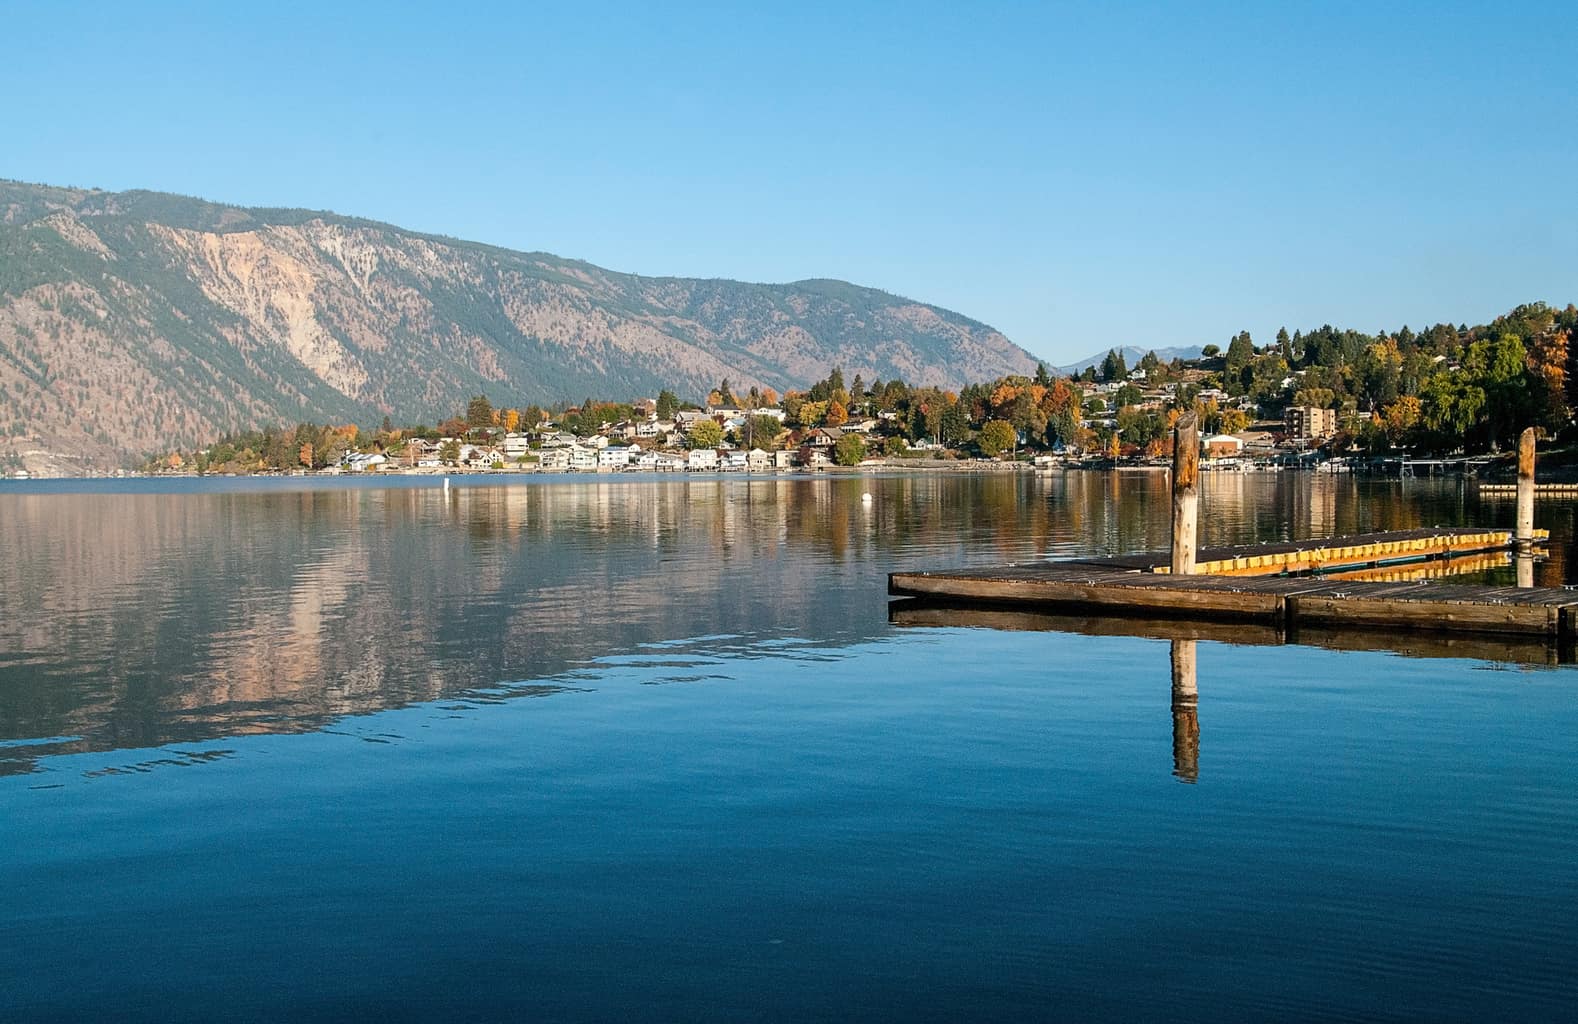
x=449, y=454
x=760, y=431
x=850, y=449
x=479, y=413
x=1042, y=377
x=837, y=415
x=667, y=402
x=1113, y=367
x=1239, y=352
x=1210, y=351
x=996, y=437
x=705, y=434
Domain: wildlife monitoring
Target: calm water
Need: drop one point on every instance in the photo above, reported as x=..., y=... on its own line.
x=594, y=750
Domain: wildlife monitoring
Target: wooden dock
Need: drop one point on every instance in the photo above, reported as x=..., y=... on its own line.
x=1281, y=585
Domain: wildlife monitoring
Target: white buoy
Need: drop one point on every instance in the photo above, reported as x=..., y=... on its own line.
x=865, y=499
x=446, y=485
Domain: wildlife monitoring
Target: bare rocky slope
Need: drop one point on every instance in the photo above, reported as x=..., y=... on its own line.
x=134, y=321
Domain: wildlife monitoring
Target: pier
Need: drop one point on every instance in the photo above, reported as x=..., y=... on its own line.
x=1397, y=581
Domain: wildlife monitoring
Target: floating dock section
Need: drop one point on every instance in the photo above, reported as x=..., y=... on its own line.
x=1349, y=582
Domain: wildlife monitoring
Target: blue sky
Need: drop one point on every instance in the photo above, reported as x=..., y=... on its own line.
x=1077, y=175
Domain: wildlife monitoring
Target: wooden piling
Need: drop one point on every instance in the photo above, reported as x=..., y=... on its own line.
x=1186, y=493
x=1524, y=534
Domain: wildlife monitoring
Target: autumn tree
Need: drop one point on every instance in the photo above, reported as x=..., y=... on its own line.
x=837, y=415
x=705, y=434
x=850, y=450
x=996, y=437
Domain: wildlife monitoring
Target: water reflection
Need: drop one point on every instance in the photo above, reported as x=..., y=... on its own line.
x=137, y=617
x=1186, y=711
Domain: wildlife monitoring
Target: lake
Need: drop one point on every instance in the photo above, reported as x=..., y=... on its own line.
x=586, y=748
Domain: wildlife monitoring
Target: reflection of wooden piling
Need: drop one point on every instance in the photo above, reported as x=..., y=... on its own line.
x=1186, y=712
x=1186, y=493
x=1524, y=534
x=1525, y=572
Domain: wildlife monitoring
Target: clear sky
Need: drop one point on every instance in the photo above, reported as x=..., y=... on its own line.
x=1077, y=175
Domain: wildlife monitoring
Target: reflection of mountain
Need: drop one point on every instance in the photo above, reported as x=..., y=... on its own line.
x=134, y=620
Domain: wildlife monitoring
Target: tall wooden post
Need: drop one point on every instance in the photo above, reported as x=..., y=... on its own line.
x=1186, y=712
x=1186, y=493
x=1525, y=530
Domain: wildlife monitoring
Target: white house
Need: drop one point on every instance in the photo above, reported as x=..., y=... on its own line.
x=736, y=460
x=582, y=459
x=615, y=457
x=783, y=458
x=701, y=459
x=358, y=462
x=756, y=459
x=555, y=459
x=516, y=445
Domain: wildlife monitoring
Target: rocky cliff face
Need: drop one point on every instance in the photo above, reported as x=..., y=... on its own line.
x=135, y=321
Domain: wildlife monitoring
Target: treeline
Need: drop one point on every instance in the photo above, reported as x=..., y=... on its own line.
x=1442, y=389
x=1439, y=390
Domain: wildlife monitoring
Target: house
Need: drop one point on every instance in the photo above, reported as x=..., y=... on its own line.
x=560, y=439
x=516, y=445
x=647, y=429
x=358, y=462
x=824, y=437
x=582, y=459
x=814, y=458
x=736, y=460
x=701, y=459
x=479, y=456
x=686, y=419
x=611, y=458
x=783, y=458
x=555, y=459
x=756, y=460
x=1222, y=446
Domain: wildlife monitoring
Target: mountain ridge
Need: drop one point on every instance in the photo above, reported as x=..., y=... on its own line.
x=137, y=320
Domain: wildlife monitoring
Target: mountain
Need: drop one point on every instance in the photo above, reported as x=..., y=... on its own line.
x=1132, y=356
x=133, y=321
